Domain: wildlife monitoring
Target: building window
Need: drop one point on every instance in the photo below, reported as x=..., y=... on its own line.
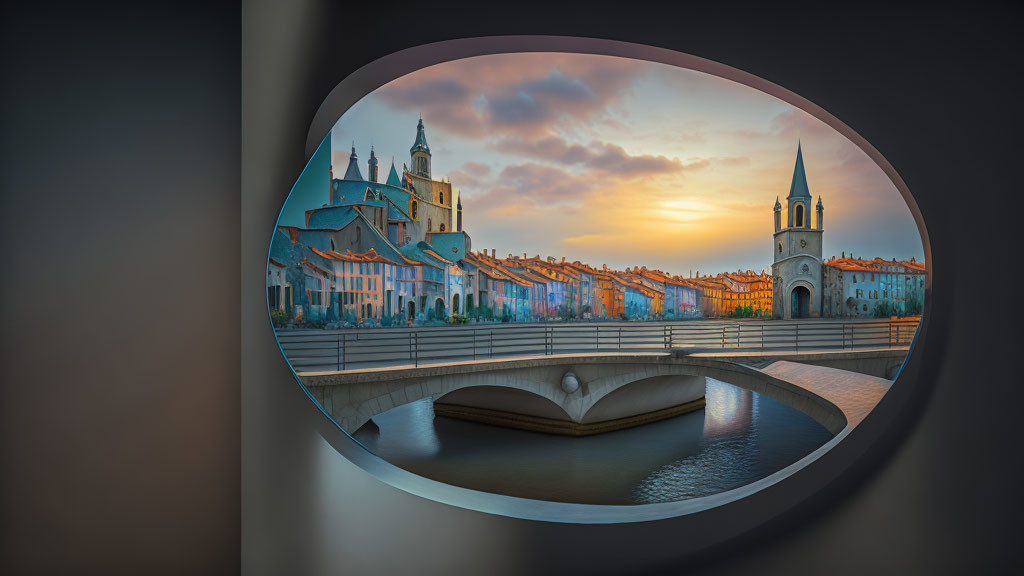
x=430, y=225
x=780, y=247
x=415, y=211
x=315, y=291
x=274, y=297
x=442, y=227
x=440, y=198
x=799, y=219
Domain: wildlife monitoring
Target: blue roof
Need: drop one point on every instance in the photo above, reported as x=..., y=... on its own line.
x=450, y=245
x=799, y=185
x=281, y=248
x=393, y=179
x=331, y=218
x=399, y=198
x=416, y=251
x=396, y=215
x=288, y=253
x=352, y=173
x=374, y=203
x=350, y=192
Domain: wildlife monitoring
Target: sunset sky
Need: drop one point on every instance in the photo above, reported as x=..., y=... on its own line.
x=620, y=162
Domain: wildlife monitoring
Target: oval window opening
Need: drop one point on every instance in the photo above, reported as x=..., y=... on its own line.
x=593, y=280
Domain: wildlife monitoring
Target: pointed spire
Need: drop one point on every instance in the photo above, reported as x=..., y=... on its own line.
x=778, y=205
x=372, y=164
x=820, y=205
x=352, y=173
x=799, y=185
x=421, y=139
x=393, y=179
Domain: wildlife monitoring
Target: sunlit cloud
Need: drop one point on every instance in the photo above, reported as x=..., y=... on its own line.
x=625, y=162
x=596, y=156
x=520, y=94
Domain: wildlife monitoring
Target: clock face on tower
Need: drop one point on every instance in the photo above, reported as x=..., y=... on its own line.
x=803, y=243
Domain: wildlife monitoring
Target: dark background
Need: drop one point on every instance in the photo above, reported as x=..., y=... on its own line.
x=131, y=136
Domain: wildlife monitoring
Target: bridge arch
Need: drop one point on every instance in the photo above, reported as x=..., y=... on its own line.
x=501, y=398
x=645, y=396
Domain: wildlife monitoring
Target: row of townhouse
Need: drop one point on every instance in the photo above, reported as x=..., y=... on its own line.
x=386, y=285
x=317, y=287
x=855, y=288
x=524, y=288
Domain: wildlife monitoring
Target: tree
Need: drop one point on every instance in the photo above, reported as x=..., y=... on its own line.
x=884, y=309
x=914, y=304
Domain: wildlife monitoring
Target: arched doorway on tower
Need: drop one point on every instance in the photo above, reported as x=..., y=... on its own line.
x=801, y=302
x=455, y=304
x=412, y=310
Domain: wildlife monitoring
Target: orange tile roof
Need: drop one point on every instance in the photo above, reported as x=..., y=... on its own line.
x=368, y=256
x=874, y=265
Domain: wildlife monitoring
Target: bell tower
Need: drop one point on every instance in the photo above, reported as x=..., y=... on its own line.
x=796, y=268
x=420, y=153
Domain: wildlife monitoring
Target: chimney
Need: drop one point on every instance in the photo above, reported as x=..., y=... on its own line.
x=524, y=255
x=493, y=252
x=604, y=267
x=563, y=259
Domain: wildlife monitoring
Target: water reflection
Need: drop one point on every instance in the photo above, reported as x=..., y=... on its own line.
x=738, y=438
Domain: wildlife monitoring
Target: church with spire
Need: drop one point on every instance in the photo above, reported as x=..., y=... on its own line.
x=407, y=208
x=404, y=229
x=797, y=263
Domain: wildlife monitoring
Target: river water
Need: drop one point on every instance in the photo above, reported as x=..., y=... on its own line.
x=738, y=438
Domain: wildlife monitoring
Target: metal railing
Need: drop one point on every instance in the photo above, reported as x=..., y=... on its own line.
x=310, y=351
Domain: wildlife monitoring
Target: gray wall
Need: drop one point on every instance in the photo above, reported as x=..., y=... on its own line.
x=887, y=514
x=119, y=416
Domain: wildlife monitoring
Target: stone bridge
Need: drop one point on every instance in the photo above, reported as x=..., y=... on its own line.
x=606, y=392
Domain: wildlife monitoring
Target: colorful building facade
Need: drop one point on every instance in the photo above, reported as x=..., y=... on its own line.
x=873, y=288
x=394, y=253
